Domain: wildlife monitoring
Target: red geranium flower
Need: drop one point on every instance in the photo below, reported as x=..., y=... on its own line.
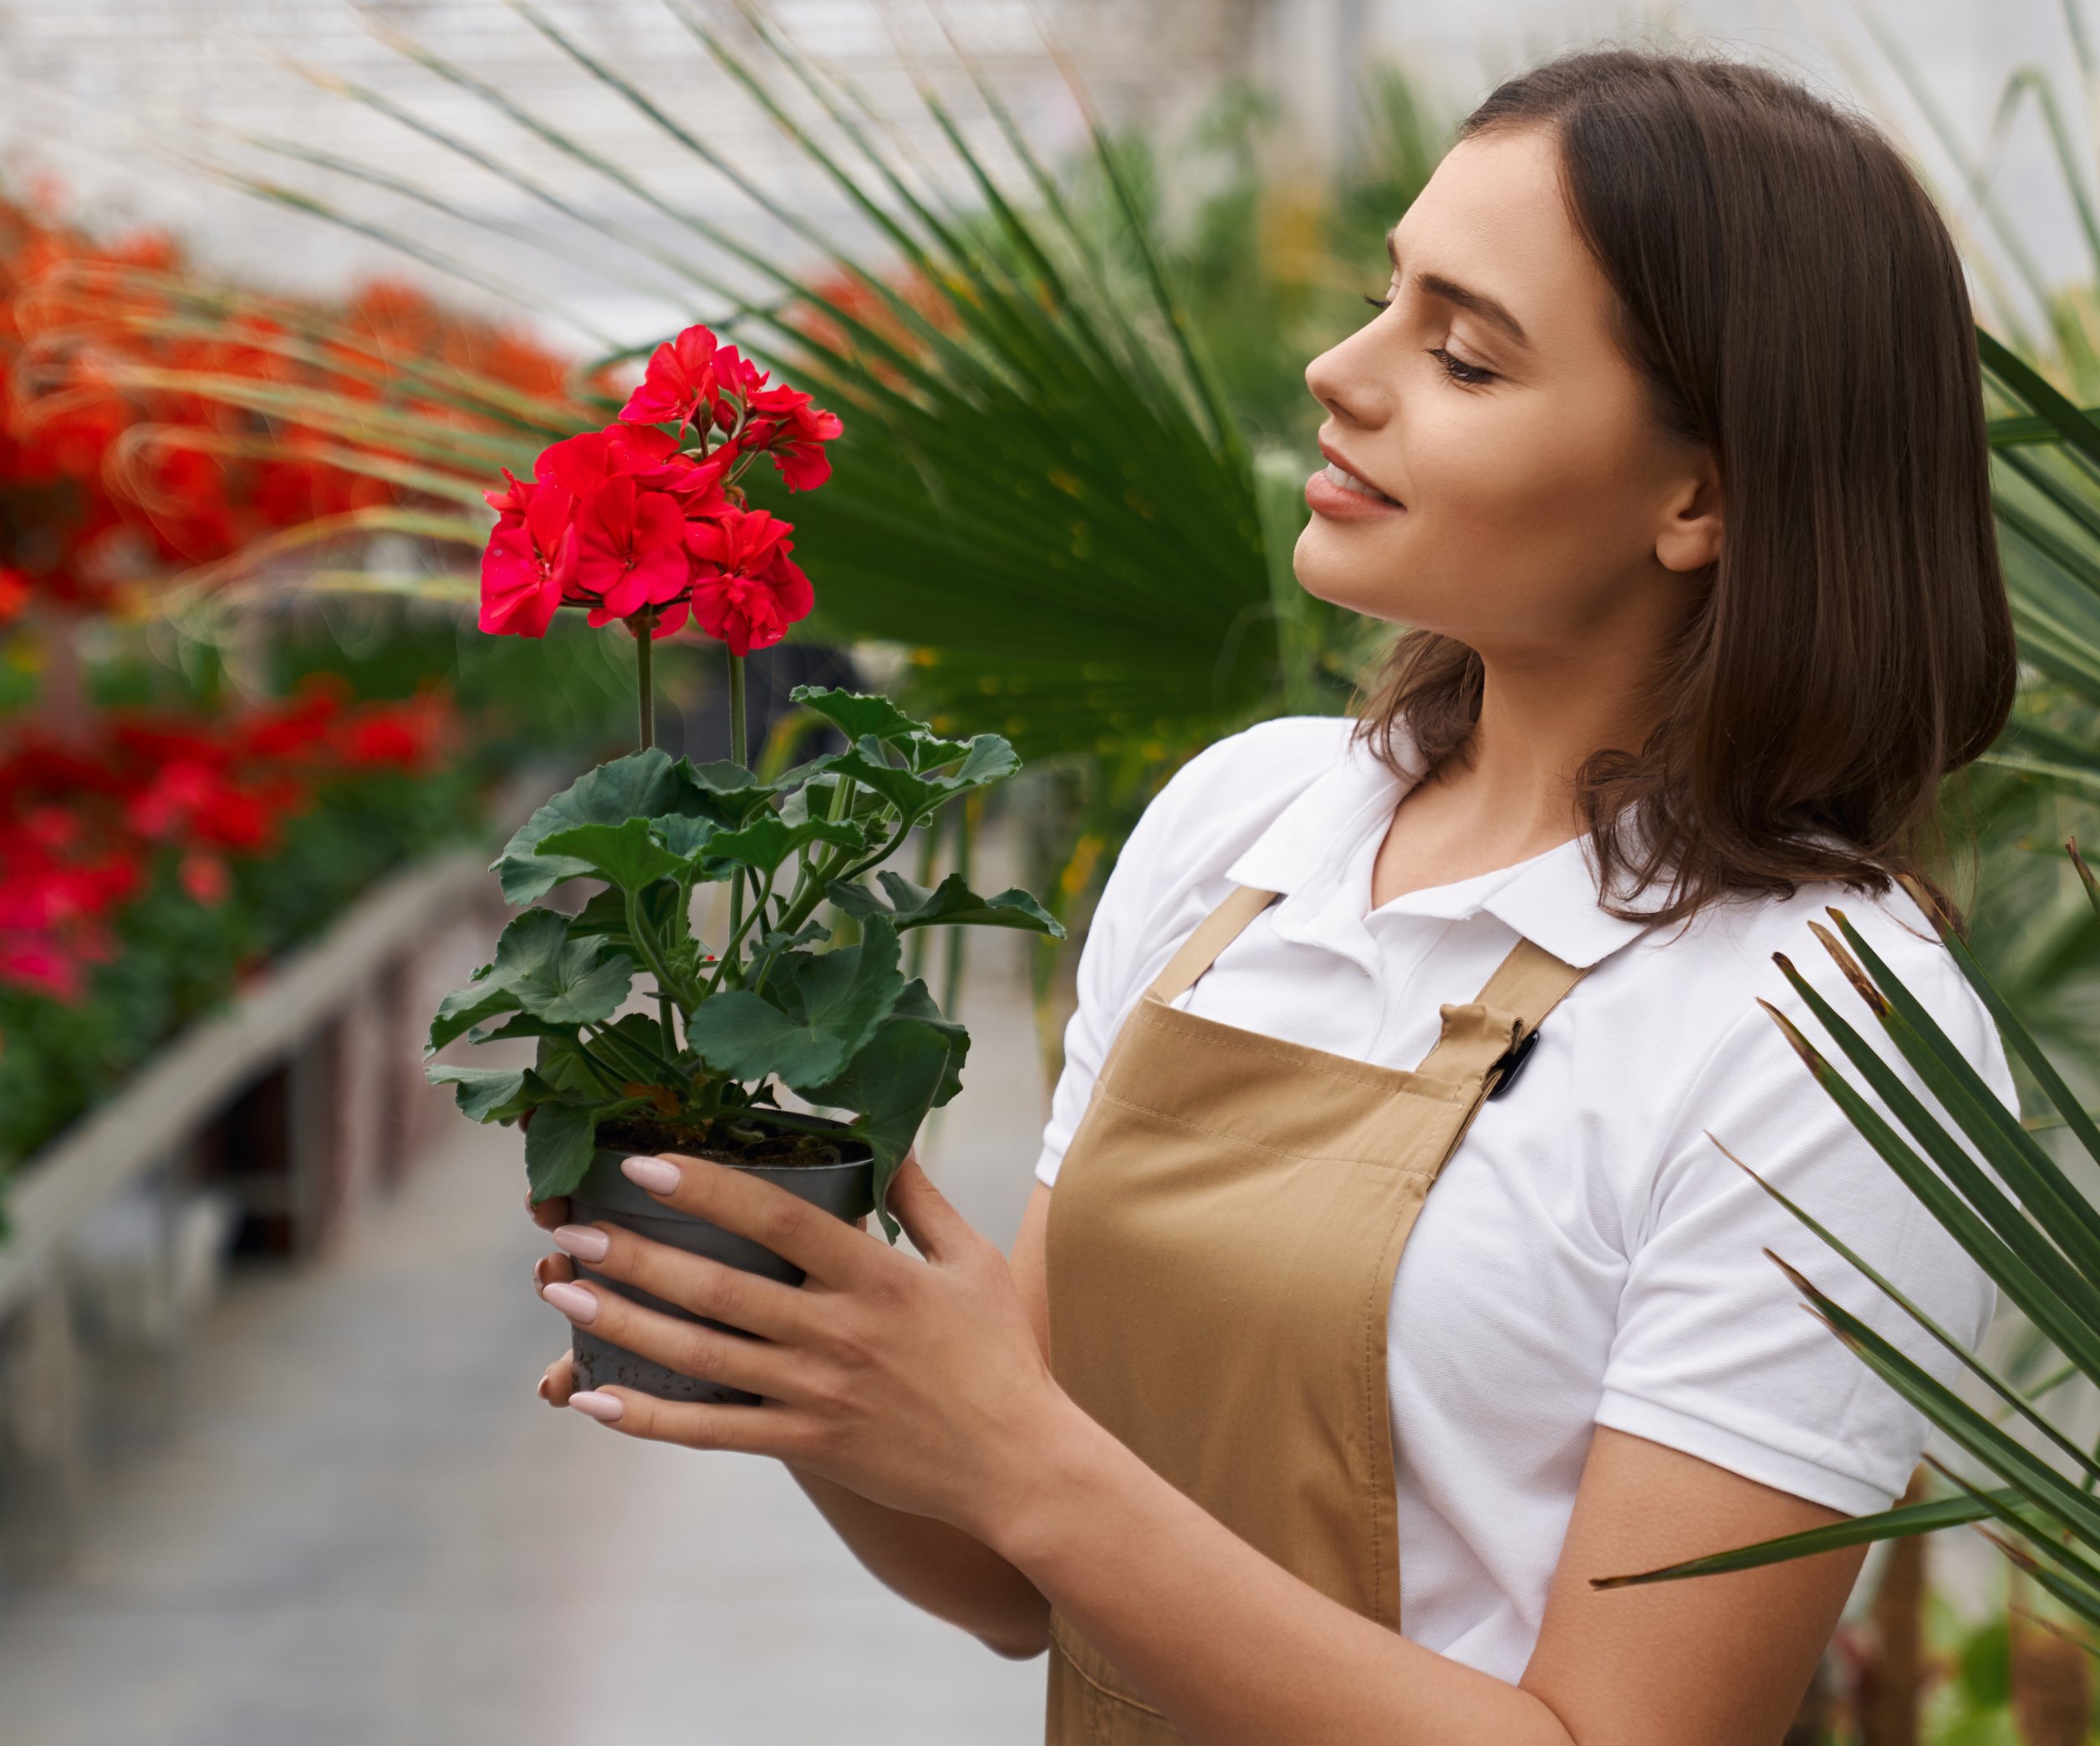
x=204, y=877
x=684, y=374
x=747, y=590
x=579, y=465
x=530, y=559
x=786, y=426
x=631, y=551
x=39, y=964
x=405, y=736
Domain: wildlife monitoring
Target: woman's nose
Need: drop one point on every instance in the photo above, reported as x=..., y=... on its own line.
x=1343, y=379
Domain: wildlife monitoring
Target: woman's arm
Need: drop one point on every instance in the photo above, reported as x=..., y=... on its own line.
x=1234, y=1649
x=939, y=1568
x=922, y=1386
x=936, y=1567
x=953, y=1574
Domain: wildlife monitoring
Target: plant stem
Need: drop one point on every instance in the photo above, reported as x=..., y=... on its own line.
x=762, y=1115
x=739, y=925
x=951, y=990
x=620, y=1055
x=654, y=1070
x=737, y=749
x=652, y=952
x=843, y=867
x=929, y=848
x=841, y=807
x=729, y=970
x=644, y=692
x=609, y=1075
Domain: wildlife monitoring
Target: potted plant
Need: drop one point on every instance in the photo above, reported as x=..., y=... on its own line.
x=644, y=523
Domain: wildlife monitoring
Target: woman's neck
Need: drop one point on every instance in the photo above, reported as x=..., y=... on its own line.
x=1508, y=794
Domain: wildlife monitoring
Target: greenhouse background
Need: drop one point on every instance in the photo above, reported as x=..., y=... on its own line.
x=284, y=282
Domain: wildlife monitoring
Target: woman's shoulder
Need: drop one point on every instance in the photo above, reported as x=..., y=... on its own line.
x=1271, y=762
x=1221, y=800
x=1746, y=946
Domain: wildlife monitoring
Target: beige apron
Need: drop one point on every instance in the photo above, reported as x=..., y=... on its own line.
x=1221, y=1251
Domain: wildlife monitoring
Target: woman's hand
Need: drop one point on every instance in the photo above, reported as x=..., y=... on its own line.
x=918, y=1384
x=555, y=1384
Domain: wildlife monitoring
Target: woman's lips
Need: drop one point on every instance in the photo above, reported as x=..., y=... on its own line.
x=1322, y=497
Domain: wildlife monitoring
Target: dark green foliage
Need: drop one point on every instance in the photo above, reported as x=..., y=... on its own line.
x=778, y=1003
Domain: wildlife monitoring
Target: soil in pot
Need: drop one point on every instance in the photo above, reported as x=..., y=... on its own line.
x=838, y=1175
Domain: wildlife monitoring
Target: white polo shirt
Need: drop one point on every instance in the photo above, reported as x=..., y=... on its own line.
x=1588, y=1255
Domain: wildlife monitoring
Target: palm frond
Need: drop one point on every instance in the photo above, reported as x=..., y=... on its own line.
x=2037, y=1237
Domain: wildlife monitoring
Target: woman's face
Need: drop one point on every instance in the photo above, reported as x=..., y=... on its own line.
x=1531, y=497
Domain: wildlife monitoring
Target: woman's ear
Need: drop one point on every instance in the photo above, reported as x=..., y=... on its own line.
x=1690, y=535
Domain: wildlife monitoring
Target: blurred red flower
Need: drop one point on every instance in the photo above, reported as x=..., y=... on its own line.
x=82, y=826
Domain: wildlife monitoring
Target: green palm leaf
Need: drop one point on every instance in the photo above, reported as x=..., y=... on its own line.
x=2038, y=1238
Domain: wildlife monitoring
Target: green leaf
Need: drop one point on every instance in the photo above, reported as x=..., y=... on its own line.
x=1990, y=1379
x=951, y=903
x=765, y=842
x=539, y=970
x=1986, y=1665
x=642, y=785
x=860, y=715
x=733, y=793
x=662, y=908
x=2034, y=1483
x=810, y=933
x=813, y=1019
x=559, y=1146
x=492, y=1094
x=581, y=984
x=2022, y=1042
x=2002, y=1246
x=989, y=758
x=1893, y=1523
x=627, y=854
x=2070, y=423
x=914, y=793
x=916, y=1005
x=857, y=714
x=912, y=1064
x=644, y=1039
x=682, y=836
x=564, y=1062
x=2011, y=1151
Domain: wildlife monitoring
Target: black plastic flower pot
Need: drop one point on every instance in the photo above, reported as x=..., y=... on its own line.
x=844, y=1186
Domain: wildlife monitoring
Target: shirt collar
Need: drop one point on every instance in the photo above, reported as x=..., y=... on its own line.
x=1551, y=900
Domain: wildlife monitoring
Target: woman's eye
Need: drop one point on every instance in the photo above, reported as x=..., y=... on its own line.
x=1459, y=371
x=1378, y=303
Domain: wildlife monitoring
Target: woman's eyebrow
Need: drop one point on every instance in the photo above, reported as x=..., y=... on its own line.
x=1434, y=284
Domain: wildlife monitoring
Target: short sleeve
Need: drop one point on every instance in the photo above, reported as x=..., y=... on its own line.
x=1183, y=843
x=1713, y=1353
x=1109, y=957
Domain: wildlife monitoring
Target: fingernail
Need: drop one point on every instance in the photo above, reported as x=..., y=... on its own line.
x=582, y=1242
x=540, y=1389
x=603, y=1407
x=577, y=1304
x=659, y=1175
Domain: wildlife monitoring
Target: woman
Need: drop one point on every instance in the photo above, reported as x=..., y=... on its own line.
x=1667, y=442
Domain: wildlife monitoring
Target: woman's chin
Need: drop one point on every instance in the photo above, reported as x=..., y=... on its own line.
x=1372, y=596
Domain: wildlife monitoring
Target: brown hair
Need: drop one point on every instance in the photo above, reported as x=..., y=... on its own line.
x=1786, y=288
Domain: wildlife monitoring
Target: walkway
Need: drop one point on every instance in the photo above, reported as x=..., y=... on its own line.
x=359, y=1535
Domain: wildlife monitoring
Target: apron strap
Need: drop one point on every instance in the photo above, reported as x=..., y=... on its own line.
x=1526, y=985
x=1216, y=931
